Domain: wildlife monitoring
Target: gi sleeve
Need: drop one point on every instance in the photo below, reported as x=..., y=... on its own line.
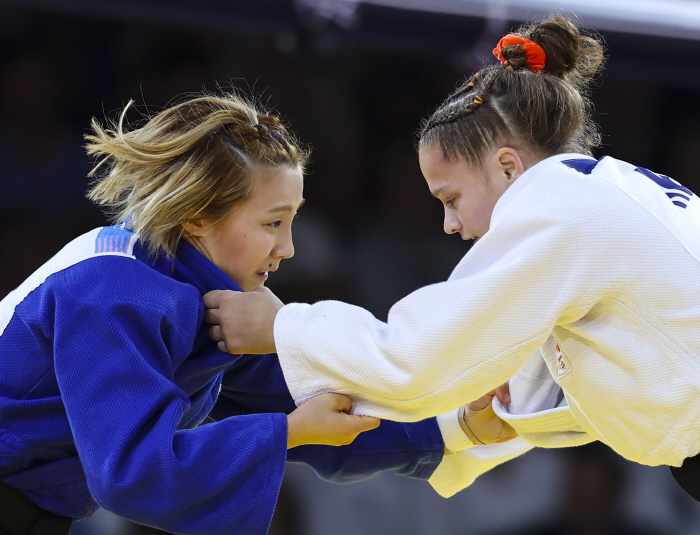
x=115, y=343
x=255, y=383
x=449, y=343
x=459, y=470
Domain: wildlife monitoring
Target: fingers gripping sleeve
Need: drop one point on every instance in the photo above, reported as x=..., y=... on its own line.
x=114, y=364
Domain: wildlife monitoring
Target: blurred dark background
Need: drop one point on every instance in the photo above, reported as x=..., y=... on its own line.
x=354, y=79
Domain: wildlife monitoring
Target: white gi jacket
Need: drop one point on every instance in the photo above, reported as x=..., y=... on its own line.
x=593, y=267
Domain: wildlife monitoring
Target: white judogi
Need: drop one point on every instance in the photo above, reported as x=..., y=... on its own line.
x=594, y=264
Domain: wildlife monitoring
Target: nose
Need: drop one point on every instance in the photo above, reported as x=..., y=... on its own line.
x=285, y=247
x=451, y=224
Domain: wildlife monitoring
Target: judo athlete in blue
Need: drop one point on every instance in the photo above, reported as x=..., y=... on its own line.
x=106, y=366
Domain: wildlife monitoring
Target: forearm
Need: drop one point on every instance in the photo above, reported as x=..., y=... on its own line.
x=412, y=450
x=416, y=366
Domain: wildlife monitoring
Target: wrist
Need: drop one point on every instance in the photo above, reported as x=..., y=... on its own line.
x=464, y=414
x=453, y=437
x=292, y=434
x=270, y=329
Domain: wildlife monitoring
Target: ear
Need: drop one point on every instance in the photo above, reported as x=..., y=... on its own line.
x=194, y=227
x=507, y=165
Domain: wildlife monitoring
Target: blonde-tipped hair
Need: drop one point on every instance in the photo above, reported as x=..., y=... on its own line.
x=194, y=159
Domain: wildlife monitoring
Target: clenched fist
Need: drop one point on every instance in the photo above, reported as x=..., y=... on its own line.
x=242, y=322
x=325, y=420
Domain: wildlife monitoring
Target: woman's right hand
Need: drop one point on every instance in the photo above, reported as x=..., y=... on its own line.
x=324, y=419
x=242, y=322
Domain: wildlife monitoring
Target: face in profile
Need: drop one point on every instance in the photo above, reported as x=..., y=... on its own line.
x=468, y=193
x=252, y=240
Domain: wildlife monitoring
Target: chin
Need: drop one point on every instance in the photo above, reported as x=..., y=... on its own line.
x=251, y=287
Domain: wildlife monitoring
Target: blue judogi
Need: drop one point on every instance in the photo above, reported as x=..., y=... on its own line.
x=106, y=372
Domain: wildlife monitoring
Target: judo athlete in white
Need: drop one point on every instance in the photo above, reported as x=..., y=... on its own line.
x=583, y=286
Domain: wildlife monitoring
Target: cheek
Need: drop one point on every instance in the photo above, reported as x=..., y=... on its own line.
x=476, y=214
x=485, y=211
x=471, y=209
x=231, y=248
x=252, y=248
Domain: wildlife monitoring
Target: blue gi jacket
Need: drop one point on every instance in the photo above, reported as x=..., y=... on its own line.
x=106, y=372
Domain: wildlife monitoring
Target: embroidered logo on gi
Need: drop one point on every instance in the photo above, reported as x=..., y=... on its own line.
x=563, y=364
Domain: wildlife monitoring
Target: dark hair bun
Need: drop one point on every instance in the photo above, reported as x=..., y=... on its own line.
x=571, y=55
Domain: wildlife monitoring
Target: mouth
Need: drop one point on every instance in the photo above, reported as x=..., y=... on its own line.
x=261, y=275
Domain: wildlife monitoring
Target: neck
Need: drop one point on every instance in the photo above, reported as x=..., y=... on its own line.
x=195, y=242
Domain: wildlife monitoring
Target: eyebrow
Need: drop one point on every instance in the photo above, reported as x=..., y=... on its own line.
x=437, y=191
x=286, y=208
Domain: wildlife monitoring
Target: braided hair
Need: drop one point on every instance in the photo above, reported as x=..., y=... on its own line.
x=546, y=107
x=194, y=159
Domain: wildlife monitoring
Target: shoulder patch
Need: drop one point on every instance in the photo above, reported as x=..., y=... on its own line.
x=115, y=239
x=98, y=242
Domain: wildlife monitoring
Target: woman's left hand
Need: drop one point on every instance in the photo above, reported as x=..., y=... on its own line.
x=480, y=423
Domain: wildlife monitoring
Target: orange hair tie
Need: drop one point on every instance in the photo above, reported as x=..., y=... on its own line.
x=534, y=53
